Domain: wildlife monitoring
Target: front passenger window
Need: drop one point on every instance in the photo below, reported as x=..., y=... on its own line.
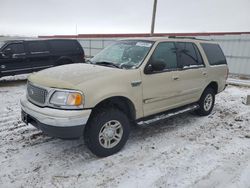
x=166, y=52
x=16, y=48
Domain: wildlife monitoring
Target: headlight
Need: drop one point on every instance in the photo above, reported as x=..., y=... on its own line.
x=67, y=99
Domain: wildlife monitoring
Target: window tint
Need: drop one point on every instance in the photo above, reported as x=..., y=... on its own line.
x=188, y=54
x=17, y=48
x=166, y=52
x=37, y=46
x=63, y=45
x=214, y=54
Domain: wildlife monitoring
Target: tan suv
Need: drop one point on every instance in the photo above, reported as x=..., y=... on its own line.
x=134, y=81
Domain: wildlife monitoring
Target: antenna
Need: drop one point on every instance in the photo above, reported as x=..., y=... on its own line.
x=76, y=31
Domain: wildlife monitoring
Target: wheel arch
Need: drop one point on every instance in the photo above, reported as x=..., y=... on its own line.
x=122, y=103
x=62, y=59
x=213, y=85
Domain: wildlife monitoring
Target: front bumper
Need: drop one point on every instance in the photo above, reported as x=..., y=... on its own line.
x=55, y=122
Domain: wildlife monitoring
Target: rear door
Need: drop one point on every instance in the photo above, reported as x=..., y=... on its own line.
x=16, y=62
x=39, y=55
x=192, y=75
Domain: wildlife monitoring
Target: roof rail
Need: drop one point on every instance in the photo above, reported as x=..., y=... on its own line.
x=180, y=37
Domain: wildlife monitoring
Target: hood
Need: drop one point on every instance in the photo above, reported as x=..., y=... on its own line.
x=69, y=76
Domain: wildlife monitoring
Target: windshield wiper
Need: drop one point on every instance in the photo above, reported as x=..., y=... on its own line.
x=107, y=64
x=89, y=61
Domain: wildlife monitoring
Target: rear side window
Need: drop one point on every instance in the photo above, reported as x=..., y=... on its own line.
x=166, y=52
x=64, y=46
x=214, y=54
x=37, y=46
x=188, y=54
x=16, y=48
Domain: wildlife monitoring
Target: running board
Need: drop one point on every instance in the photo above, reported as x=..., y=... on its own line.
x=155, y=118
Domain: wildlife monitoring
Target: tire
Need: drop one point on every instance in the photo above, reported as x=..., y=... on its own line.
x=101, y=136
x=206, y=102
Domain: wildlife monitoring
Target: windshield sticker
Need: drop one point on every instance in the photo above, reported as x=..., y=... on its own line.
x=144, y=44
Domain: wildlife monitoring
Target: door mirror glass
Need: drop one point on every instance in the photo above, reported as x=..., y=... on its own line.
x=158, y=65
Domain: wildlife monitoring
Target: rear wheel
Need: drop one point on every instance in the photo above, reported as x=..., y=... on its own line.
x=63, y=62
x=206, y=102
x=107, y=132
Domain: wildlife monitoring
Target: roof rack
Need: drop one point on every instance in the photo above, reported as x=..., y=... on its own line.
x=181, y=37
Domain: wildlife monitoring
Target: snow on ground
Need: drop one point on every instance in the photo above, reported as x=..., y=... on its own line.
x=185, y=151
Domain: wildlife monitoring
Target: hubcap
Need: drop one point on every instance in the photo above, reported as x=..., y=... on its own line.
x=110, y=134
x=208, y=102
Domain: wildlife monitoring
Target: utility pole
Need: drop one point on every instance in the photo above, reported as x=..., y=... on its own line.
x=76, y=31
x=153, y=18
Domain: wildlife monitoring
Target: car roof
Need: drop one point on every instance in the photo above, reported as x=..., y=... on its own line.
x=22, y=40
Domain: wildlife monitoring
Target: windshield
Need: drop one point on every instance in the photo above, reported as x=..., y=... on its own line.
x=127, y=54
x=1, y=44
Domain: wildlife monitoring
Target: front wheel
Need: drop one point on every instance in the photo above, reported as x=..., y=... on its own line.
x=107, y=132
x=206, y=102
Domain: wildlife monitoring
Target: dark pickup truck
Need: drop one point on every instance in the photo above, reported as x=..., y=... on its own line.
x=26, y=56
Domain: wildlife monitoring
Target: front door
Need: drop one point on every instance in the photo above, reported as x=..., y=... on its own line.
x=160, y=88
x=13, y=60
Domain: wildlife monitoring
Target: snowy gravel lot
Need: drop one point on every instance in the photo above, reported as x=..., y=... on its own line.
x=185, y=151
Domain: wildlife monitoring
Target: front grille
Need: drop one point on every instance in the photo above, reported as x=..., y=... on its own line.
x=36, y=94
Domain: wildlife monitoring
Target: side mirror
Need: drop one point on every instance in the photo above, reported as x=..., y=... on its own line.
x=8, y=52
x=156, y=65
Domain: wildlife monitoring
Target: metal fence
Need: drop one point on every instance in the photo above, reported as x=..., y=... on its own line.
x=235, y=47
x=237, y=52
x=93, y=46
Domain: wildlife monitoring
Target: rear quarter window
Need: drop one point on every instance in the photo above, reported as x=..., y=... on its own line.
x=64, y=46
x=214, y=54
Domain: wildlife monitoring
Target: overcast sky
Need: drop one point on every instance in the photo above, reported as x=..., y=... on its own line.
x=49, y=17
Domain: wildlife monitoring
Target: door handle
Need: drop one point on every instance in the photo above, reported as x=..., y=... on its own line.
x=204, y=73
x=175, y=78
x=136, y=83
